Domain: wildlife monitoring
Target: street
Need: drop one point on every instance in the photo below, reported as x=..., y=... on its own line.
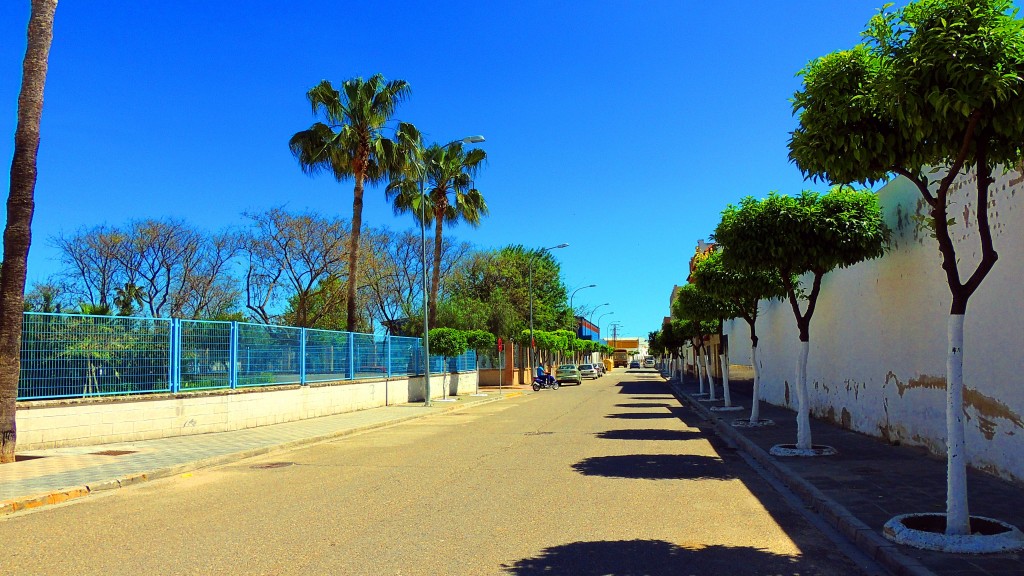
x=610, y=477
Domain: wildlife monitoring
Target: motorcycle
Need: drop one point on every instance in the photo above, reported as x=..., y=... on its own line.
x=546, y=381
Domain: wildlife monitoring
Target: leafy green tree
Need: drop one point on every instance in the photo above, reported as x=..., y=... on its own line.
x=481, y=341
x=795, y=235
x=498, y=279
x=350, y=144
x=936, y=84
x=744, y=290
x=20, y=204
x=449, y=343
x=451, y=197
x=706, y=312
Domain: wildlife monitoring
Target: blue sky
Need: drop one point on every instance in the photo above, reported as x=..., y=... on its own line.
x=622, y=128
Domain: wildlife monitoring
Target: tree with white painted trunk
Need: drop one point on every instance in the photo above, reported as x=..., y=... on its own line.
x=936, y=91
x=796, y=235
x=745, y=290
x=705, y=312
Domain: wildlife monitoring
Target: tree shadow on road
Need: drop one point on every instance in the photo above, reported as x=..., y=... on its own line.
x=650, y=434
x=640, y=415
x=655, y=467
x=655, y=558
x=644, y=405
x=642, y=388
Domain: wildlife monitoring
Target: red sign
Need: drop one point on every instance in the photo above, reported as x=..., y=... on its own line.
x=501, y=345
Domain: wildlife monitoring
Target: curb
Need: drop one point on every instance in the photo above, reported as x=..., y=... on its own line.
x=65, y=494
x=870, y=541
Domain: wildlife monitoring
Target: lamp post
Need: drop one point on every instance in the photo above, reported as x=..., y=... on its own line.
x=423, y=262
x=594, y=311
x=532, y=254
x=573, y=310
x=599, y=322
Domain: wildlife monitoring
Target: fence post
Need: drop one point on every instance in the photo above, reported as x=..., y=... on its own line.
x=302, y=356
x=351, y=356
x=175, y=356
x=233, y=357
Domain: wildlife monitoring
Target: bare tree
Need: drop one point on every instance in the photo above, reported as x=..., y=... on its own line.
x=92, y=263
x=291, y=256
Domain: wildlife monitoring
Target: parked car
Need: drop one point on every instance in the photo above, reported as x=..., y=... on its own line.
x=634, y=364
x=649, y=362
x=568, y=373
x=589, y=371
x=599, y=366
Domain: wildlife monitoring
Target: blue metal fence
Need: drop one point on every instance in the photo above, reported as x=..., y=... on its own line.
x=75, y=355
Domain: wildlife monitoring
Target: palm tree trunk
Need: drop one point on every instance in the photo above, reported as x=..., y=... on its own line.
x=20, y=204
x=435, y=279
x=353, y=253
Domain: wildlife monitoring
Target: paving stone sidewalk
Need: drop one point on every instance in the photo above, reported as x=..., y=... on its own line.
x=42, y=477
x=867, y=483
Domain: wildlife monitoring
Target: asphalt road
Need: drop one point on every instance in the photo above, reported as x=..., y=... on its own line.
x=609, y=478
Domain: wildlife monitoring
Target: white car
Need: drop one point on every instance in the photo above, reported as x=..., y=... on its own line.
x=589, y=371
x=648, y=362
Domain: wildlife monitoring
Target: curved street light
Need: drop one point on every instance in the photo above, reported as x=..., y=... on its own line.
x=575, y=325
x=532, y=254
x=423, y=262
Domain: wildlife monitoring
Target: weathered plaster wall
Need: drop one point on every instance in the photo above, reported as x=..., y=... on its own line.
x=878, y=336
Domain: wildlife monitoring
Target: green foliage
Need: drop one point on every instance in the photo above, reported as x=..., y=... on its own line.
x=481, y=340
x=935, y=84
x=742, y=288
x=807, y=233
x=497, y=281
x=692, y=303
x=448, y=342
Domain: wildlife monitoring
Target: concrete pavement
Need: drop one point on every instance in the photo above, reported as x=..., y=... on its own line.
x=866, y=484
x=43, y=477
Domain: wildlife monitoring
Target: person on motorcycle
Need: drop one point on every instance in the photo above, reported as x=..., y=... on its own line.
x=543, y=375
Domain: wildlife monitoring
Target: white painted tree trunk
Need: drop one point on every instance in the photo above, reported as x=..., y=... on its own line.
x=707, y=373
x=803, y=414
x=957, y=515
x=724, y=361
x=698, y=369
x=755, y=401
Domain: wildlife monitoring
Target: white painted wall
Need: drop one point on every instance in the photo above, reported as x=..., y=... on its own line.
x=57, y=423
x=878, y=336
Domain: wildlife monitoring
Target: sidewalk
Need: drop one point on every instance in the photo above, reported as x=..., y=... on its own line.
x=42, y=477
x=867, y=483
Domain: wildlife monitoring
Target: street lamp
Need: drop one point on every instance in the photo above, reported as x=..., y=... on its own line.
x=532, y=254
x=599, y=322
x=573, y=310
x=594, y=311
x=423, y=261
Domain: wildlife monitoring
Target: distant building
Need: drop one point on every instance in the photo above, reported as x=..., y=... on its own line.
x=585, y=330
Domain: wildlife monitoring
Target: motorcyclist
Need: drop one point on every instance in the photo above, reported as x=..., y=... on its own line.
x=543, y=375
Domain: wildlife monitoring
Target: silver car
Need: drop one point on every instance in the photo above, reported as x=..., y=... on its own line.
x=589, y=371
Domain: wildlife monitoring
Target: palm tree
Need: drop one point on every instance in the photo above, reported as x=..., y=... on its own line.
x=20, y=204
x=126, y=297
x=446, y=170
x=350, y=145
